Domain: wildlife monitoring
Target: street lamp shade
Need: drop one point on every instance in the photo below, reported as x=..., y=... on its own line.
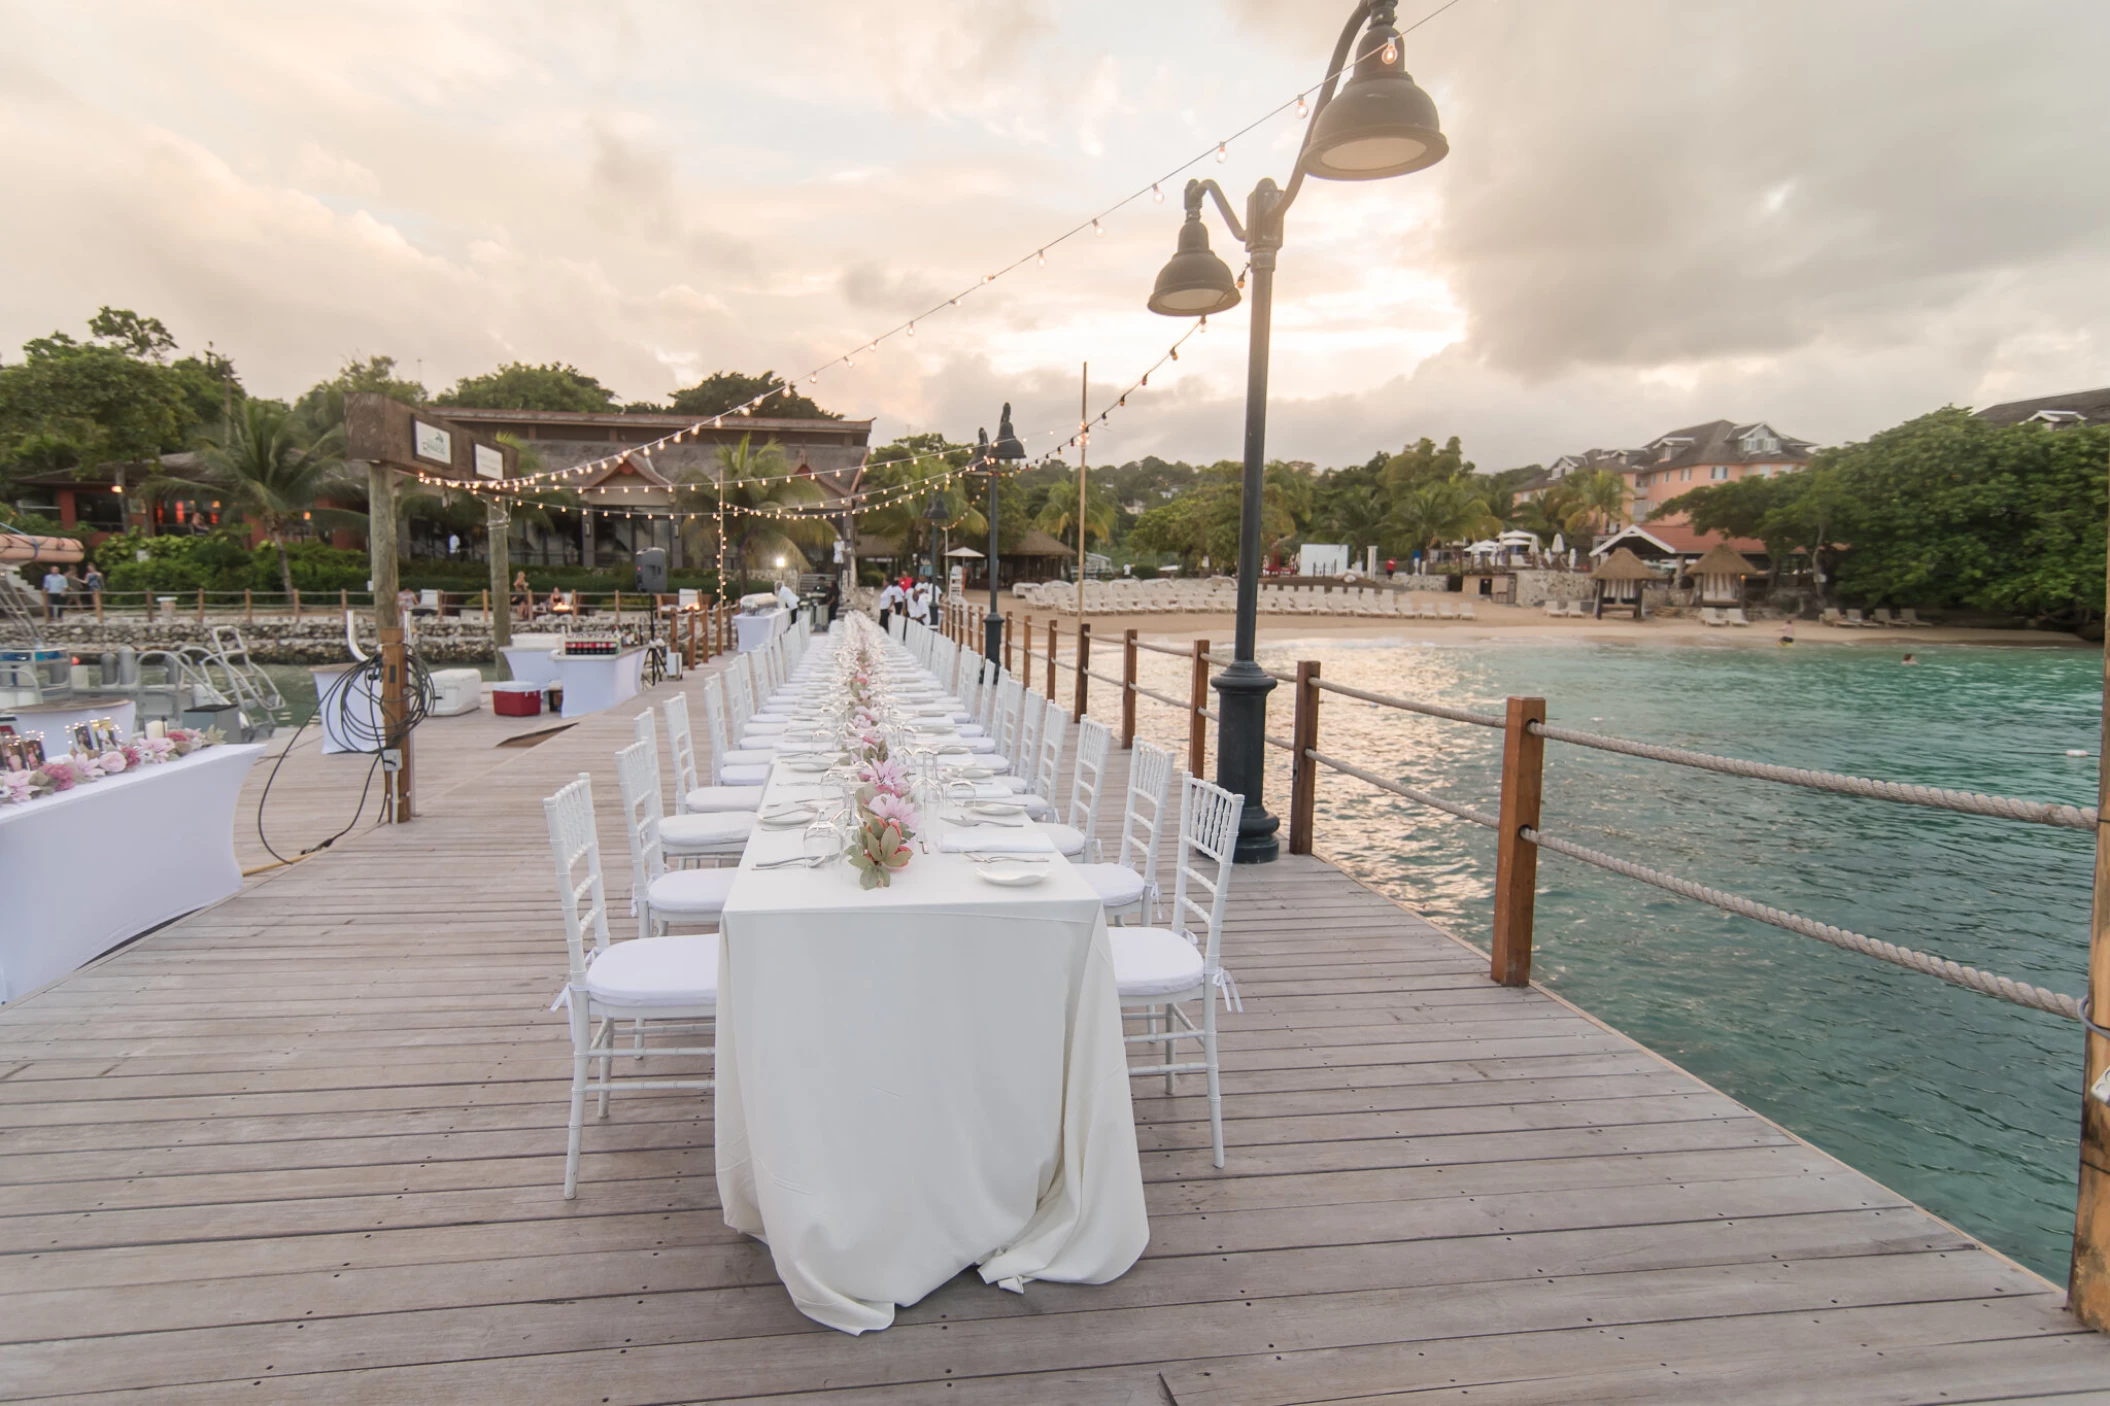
x=1007, y=446
x=1194, y=283
x=1381, y=123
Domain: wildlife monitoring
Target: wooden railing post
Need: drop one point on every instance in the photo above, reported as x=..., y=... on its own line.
x=248, y=607
x=1010, y=661
x=1198, y=699
x=342, y=595
x=1054, y=629
x=1025, y=649
x=1128, y=689
x=1516, y=858
x=201, y=605
x=1084, y=659
x=1304, y=772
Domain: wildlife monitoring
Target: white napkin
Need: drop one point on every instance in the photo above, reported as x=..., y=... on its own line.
x=989, y=839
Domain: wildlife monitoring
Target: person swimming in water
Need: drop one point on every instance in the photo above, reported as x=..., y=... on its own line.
x=1787, y=630
x=1910, y=659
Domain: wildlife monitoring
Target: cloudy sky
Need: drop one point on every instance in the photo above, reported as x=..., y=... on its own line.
x=1829, y=214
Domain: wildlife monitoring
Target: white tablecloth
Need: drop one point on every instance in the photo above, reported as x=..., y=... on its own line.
x=596, y=681
x=531, y=663
x=751, y=632
x=357, y=696
x=52, y=719
x=84, y=870
x=921, y=1078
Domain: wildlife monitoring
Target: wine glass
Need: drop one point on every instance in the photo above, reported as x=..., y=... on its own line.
x=824, y=839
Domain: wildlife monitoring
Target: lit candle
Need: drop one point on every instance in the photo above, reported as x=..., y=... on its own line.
x=157, y=728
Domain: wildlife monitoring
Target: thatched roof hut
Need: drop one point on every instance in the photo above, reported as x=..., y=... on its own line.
x=1619, y=578
x=1721, y=575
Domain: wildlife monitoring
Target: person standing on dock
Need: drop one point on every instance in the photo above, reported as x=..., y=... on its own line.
x=54, y=593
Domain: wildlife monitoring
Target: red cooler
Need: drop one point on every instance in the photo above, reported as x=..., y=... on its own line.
x=516, y=700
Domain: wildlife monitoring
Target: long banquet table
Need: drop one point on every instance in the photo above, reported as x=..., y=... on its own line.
x=920, y=1078
x=90, y=868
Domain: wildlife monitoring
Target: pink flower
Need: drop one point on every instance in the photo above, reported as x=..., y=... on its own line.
x=61, y=775
x=15, y=787
x=111, y=762
x=888, y=778
x=895, y=811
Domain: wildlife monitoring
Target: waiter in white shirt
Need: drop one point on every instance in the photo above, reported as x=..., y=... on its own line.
x=919, y=603
x=888, y=599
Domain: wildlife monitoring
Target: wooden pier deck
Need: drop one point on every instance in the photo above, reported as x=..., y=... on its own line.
x=307, y=1145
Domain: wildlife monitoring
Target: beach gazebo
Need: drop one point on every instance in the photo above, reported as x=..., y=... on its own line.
x=1721, y=575
x=1620, y=578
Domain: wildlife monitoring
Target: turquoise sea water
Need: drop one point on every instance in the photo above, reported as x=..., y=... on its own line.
x=1965, y=1104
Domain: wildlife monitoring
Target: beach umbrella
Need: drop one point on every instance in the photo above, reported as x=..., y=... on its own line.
x=965, y=553
x=1559, y=545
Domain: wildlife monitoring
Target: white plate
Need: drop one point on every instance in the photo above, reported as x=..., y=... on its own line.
x=998, y=807
x=788, y=820
x=1024, y=876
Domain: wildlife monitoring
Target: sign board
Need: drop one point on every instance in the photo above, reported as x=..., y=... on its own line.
x=431, y=442
x=1322, y=559
x=381, y=430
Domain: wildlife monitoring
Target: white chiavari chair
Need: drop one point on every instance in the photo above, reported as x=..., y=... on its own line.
x=1131, y=882
x=657, y=985
x=1161, y=971
x=717, y=833
x=1078, y=838
x=697, y=798
x=661, y=895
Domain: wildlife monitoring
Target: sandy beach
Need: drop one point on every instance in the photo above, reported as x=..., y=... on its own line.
x=1524, y=624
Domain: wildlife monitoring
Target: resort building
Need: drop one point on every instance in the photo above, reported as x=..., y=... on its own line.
x=1682, y=460
x=2073, y=408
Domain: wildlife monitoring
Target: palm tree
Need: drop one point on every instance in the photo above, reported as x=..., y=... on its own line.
x=755, y=488
x=1444, y=510
x=1602, y=493
x=273, y=475
x=1060, y=516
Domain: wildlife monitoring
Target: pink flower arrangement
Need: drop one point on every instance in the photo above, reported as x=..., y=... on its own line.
x=59, y=775
x=111, y=762
x=885, y=777
x=894, y=810
x=16, y=787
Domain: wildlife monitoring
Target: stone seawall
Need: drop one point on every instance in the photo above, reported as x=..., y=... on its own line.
x=317, y=640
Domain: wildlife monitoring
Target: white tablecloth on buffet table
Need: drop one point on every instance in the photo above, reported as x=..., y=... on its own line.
x=921, y=1078
x=85, y=870
x=751, y=632
x=596, y=681
x=52, y=719
x=356, y=696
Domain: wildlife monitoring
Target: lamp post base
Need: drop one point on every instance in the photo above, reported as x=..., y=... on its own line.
x=1241, y=756
x=993, y=638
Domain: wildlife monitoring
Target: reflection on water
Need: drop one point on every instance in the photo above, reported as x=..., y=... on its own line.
x=1967, y=1105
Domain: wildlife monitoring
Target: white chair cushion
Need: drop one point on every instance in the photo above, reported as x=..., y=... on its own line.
x=710, y=798
x=979, y=744
x=758, y=723
x=749, y=756
x=691, y=893
x=1066, y=838
x=1036, y=808
x=743, y=775
x=681, y=970
x=1153, y=962
x=711, y=829
x=1117, y=885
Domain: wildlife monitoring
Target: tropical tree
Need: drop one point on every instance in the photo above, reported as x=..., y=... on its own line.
x=1558, y=511
x=519, y=386
x=1603, y=493
x=1060, y=515
x=272, y=474
x=725, y=391
x=1438, y=511
x=759, y=495
x=321, y=406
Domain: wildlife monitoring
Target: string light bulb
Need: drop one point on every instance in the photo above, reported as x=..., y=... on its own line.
x=1042, y=255
x=1097, y=228
x=1390, y=53
x=1303, y=108
x=1223, y=152
x=912, y=329
x=1157, y=191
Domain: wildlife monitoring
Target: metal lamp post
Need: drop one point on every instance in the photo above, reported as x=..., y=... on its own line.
x=1380, y=124
x=1006, y=450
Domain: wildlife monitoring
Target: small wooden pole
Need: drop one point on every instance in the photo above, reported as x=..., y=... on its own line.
x=485, y=596
x=1026, y=650
x=201, y=605
x=1010, y=659
x=344, y=602
x=1197, y=700
x=1516, y=858
x=1128, y=689
x=1304, y=772
x=618, y=611
x=1054, y=628
x=1084, y=659
x=296, y=604
x=98, y=607
x=248, y=612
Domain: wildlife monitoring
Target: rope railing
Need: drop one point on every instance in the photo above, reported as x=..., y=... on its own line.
x=1970, y=978
x=1433, y=710
x=1165, y=698
x=1421, y=797
x=1164, y=649
x=1934, y=797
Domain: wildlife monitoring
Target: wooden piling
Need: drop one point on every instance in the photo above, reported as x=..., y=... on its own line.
x=1197, y=700
x=1516, y=858
x=1304, y=772
x=1128, y=688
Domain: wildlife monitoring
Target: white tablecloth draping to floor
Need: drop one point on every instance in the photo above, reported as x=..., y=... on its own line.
x=334, y=696
x=531, y=663
x=751, y=632
x=87, y=869
x=596, y=681
x=917, y=1079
